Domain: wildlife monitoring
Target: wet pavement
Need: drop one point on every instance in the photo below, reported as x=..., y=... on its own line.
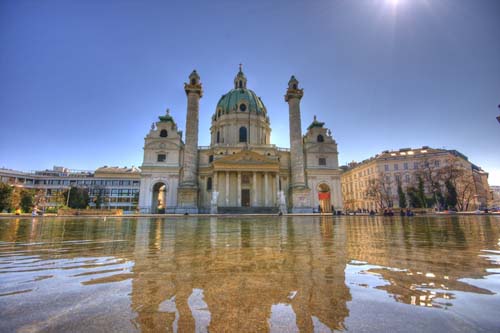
x=250, y=274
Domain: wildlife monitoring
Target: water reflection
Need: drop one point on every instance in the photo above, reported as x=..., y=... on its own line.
x=278, y=274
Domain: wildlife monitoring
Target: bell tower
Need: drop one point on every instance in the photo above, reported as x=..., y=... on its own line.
x=188, y=188
x=300, y=193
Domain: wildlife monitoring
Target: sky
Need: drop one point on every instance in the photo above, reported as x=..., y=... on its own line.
x=82, y=81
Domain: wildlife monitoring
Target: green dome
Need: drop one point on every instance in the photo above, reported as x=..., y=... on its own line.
x=231, y=102
x=240, y=99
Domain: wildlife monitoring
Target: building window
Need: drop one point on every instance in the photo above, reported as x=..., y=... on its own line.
x=210, y=158
x=407, y=178
x=240, y=84
x=386, y=167
x=396, y=167
x=243, y=134
x=322, y=161
x=162, y=157
x=436, y=163
x=218, y=114
x=218, y=137
x=405, y=166
x=163, y=133
x=209, y=184
x=193, y=82
x=320, y=138
x=243, y=107
x=294, y=86
x=415, y=165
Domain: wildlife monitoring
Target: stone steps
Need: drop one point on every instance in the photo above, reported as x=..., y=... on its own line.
x=247, y=210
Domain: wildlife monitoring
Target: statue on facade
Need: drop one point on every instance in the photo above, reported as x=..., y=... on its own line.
x=213, y=202
x=153, y=126
x=282, y=202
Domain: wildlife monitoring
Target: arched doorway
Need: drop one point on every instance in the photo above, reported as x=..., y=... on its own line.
x=159, y=202
x=324, y=198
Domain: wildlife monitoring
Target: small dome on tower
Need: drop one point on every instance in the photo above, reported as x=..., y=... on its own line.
x=293, y=83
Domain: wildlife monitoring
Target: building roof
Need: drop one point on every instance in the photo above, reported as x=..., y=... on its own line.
x=230, y=101
x=116, y=170
x=404, y=153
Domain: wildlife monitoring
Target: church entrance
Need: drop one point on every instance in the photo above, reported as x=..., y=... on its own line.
x=245, y=198
x=159, y=201
x=324, y=198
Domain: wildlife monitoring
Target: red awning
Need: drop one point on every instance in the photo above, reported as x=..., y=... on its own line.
x=324, y=195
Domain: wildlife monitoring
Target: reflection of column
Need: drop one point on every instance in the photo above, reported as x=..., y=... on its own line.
x=227, y=188
x=254, y=187
x=239, y=189
x=266, y=190
x=276, y=188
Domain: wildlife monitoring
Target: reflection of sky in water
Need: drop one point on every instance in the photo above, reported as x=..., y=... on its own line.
x=280, y=275
x=199, y=310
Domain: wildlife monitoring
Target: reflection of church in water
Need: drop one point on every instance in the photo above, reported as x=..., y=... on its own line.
x=241, y=171
x=236, y=280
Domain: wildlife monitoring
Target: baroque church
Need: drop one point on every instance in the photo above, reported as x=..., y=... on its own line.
x=241, y=171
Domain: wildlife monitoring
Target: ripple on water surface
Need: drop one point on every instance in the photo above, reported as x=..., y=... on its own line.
x=277, y=274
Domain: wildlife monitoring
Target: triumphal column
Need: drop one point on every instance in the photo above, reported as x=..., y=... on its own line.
x=188, y=187
x=299, y=192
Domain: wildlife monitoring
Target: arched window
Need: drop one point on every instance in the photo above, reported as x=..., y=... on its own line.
x=243, y=107
x=294, y=86
x=243, y=134
x=240, y=84
x=193, y=82
x=321, y=138
x=163, y=133
x=218, y=114
x=218, y=137
x=210, y=158
x=209, y=184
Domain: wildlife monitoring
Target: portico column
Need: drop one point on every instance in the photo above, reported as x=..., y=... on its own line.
x=254, y=188
x=266, y=189
x=227, y=188
x=239, y=189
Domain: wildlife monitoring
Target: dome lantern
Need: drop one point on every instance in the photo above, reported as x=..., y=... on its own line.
x=240, y=81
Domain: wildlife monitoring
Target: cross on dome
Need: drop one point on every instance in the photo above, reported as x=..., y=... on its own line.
x=240, y=81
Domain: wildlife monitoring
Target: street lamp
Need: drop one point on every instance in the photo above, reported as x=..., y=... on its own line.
x=67, y=200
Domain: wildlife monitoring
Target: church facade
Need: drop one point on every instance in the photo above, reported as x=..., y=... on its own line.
x=241, y=171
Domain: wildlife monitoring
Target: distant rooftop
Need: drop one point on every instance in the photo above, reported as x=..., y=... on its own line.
x=404, y=152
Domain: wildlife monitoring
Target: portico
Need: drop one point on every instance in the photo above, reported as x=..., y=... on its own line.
x=246, y=179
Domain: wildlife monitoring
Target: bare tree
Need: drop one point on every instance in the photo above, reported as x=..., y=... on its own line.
x=379, y=190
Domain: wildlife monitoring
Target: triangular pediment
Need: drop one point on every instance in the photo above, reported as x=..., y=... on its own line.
x=246, y=159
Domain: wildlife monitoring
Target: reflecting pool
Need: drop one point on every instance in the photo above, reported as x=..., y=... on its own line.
x=272, y=274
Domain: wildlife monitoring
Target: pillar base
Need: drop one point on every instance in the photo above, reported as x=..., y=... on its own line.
x=301, y=200
x=187, y=201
